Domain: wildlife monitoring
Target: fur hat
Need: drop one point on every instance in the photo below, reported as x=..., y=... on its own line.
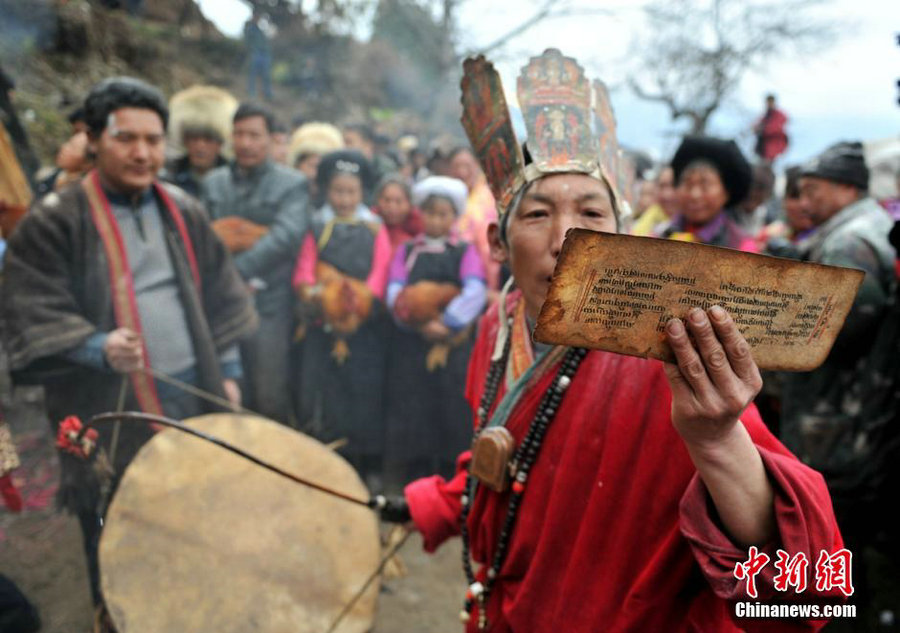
x=314, y=138
x=205, y=110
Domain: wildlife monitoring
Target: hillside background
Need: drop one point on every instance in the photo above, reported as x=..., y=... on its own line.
x=402, y=80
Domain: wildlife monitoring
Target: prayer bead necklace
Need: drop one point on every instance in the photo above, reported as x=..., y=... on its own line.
x=523, y=460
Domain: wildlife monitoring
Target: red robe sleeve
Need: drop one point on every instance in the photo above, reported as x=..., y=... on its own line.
x=804, y=520
x=434, y=504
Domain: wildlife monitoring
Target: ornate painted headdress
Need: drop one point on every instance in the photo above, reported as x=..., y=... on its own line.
x=570, y=125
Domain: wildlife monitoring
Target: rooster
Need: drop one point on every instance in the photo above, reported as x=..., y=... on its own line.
x=421, y=302
x=237, y=233
x=346, y=303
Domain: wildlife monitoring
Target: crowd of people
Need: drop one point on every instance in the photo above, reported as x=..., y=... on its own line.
x=835, y=418
x=335, y=283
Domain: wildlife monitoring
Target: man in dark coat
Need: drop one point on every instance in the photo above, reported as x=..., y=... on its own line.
x=841, y=417
x=114, y=281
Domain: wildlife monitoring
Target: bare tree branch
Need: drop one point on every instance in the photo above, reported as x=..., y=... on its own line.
x=658, y=97
x=548, y=10
x=698, y=51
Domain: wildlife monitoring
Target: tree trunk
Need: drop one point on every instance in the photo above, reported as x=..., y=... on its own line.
x=698, y=122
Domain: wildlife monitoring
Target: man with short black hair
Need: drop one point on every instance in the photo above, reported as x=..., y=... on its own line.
x=76, y=120
x=115, y=281
x=73, y=160
x=360, y=137
x=259, y=198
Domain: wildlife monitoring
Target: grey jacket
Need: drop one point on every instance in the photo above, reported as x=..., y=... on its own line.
x=276, y=197
x=820, y=408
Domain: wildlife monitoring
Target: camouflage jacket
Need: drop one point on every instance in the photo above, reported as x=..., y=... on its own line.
x=823, y=410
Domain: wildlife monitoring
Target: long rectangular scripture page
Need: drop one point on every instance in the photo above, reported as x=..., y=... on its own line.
x=616, y=293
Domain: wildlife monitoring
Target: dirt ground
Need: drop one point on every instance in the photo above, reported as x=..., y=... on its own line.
x=41, y=550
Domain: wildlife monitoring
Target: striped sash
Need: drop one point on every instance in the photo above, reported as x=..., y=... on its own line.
x=120, y=278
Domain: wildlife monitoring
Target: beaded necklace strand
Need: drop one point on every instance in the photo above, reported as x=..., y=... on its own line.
x=520, y=466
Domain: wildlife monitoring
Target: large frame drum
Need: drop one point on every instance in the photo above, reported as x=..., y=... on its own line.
x=200, y=540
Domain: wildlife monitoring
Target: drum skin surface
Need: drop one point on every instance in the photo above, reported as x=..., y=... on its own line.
x=199, y=540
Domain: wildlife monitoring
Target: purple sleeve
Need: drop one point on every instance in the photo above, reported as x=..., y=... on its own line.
x=471, y=265
x=397, y=276
x=393, y=291
x=397, y=272
x=466, y=307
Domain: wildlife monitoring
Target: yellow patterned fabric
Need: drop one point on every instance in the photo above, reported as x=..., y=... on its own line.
x=649, y=220
x=8, y=457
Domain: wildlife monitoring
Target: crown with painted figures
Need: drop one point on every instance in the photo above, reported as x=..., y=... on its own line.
x=569, y=123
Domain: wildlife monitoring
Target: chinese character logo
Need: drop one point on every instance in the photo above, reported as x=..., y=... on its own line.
x=791, y=571
x=749, y=569
x=833, y=572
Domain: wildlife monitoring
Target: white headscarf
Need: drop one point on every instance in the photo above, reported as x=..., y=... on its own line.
x=452, y=189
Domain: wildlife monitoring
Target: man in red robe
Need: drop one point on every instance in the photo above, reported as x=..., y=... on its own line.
x=652, y=480
x=605, y=492
x=771, y=139
x=643, y=496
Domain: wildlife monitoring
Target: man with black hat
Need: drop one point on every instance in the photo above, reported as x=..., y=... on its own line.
x=260, y=211
x=114, y=281
x=828, y=417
